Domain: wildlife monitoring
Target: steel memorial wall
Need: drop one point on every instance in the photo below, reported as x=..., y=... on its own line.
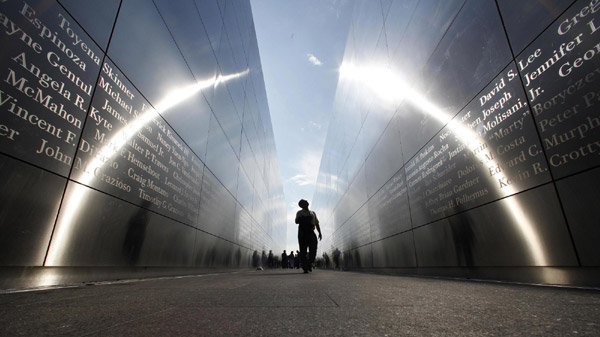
x=133, y=134
x=465, y=141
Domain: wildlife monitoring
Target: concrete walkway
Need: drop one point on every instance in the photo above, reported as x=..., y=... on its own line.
x=289, y=303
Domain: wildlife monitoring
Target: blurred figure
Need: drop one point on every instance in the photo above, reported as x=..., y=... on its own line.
x=307, y=222
x=238, y=257
x=270, y=259
x=297, y=261
x=326, y=259
x=136, y=234
x=284, y=260
x=255, y=259
x=291, y=260
x=464, y=238
x=211, y=257
x=276, y=262
x=263, y=260
x=336, y=258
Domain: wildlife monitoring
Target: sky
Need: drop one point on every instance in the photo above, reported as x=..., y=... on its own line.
x=301, y=45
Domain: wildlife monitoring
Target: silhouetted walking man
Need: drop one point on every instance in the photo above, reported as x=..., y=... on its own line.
x=307, y=222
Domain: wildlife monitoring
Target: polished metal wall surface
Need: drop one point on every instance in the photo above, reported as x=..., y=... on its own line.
x=135, y=134
x=464, y=140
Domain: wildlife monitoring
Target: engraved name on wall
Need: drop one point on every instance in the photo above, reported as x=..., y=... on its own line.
x=561, y=72
x=118, y=144
x=488, y=151
x=47, y=72
x=128, y=150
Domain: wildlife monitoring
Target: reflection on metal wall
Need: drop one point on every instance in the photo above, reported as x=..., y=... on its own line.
x=464, y=141
x=134, y=134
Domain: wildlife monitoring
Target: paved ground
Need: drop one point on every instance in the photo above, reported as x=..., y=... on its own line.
x=288, y=303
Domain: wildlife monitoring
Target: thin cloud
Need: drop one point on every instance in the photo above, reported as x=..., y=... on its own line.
x=308, y=167
x=302, y=179
x=314, y=60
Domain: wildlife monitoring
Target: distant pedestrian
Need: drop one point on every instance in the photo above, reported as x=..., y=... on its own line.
x=326, y=259
x=255, y=259
x=270, y=259
x=336, y=258
x=284, y=260
x=291, y=260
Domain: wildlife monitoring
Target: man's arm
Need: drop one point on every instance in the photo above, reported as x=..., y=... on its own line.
x=317, y=225
x=319, y=229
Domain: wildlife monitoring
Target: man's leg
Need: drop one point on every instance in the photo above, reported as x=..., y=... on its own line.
x=303, y=243
x=312, y=249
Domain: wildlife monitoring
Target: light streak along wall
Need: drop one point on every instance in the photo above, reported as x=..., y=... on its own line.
x=438, y=160
x=173, y=167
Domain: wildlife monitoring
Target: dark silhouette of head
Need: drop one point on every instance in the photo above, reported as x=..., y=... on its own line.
x=303, y=204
